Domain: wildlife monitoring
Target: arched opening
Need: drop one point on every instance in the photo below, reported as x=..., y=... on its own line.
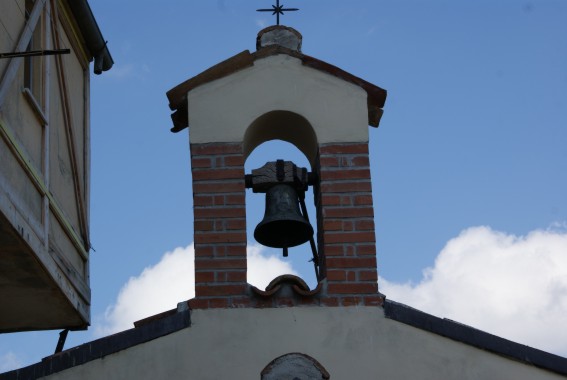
x=294, y=365
x=282, y=125
x=273, y=136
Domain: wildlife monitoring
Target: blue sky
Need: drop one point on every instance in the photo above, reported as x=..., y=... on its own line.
x=468, y=163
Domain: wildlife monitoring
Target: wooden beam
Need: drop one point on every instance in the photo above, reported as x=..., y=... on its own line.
x=25, y=37
x=46, y=127
x=70, y=135
x=38, y=182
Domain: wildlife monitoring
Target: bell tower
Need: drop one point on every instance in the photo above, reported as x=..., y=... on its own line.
x=280, y=93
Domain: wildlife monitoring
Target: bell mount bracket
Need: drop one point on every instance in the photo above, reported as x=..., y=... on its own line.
x=277, y=173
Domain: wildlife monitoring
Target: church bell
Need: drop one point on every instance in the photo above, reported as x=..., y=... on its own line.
x=283, y=225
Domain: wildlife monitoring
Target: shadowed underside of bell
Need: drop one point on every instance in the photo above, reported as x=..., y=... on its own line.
x=283, y=225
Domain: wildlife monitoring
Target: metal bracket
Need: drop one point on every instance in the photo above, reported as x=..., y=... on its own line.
x=61, y=341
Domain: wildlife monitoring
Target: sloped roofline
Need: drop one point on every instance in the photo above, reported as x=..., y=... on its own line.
x=474, y=337
x=177, y=96
x=174, y=320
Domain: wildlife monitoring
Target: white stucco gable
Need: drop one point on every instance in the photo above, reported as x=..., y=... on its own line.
x=223, y=109
x=277, y=77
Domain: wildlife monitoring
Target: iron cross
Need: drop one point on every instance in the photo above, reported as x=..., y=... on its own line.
x=277, y=10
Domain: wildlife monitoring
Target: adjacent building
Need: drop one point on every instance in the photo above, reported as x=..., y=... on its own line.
x=46, y=47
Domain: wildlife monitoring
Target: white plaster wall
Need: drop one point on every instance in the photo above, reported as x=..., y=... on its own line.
x=220, y=111
x=351, y=343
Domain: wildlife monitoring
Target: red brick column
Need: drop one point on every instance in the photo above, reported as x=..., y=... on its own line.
x=346, y=234
x=219, y=224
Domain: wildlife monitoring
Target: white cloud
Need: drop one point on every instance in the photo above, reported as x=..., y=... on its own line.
x=263, y=269
x=511, y=286
x=160, y=287
x=9, y=361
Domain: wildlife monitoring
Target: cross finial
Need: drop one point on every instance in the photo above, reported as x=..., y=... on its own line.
x=277, y=10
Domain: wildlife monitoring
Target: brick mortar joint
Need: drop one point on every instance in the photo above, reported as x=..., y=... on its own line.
x=231, y=206
x=342, y=180
x=346, y=143
x=349, y=206
x=220, y=168
x=231, y=194
x=210, y=155
x=342, y=154
x=349, y=194
x=220, y=181
x=343, y=168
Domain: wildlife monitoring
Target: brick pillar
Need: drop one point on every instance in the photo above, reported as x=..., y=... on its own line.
x=346, y=234
x=220, y=225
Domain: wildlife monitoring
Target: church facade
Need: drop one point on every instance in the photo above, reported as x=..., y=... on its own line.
x=343, y=328
x=46, y=47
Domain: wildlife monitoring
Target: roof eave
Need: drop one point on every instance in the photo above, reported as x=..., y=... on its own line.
x=474, y=337
x=178, y=95
x=94, y=40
